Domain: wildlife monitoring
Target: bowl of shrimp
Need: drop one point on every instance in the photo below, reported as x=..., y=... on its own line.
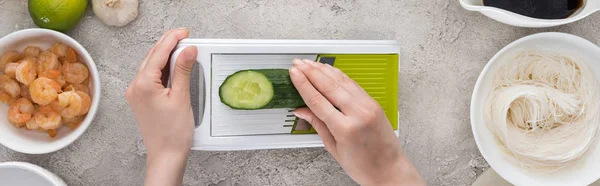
x=49, y=90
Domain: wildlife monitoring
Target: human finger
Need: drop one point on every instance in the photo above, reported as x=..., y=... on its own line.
x=332, y=90
x=346, y=82
x=160, y=56
x=183, y=69
x=151, y=51
x=148, y=55
x=319, y=105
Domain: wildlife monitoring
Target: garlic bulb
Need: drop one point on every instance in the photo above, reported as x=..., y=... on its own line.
x=116, y=12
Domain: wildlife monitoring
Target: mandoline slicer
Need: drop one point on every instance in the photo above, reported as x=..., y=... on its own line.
x=372, y=64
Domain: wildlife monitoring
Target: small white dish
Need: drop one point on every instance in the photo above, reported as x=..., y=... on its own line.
x=35, y=142
x=584, y=173
x=27, y=174
x=514, y=19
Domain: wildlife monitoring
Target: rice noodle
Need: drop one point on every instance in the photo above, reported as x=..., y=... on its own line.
x=542, y=109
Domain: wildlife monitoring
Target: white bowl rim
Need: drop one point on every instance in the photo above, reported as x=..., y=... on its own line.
x=75, y=134
x=40, y=171
x=478, y=84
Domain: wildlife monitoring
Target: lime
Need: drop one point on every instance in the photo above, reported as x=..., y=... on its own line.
x=59, y=15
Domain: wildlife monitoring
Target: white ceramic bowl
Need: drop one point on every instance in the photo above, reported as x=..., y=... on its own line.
x=583, y=174
x=27, y=174
x=35, y=142
x=510, y=18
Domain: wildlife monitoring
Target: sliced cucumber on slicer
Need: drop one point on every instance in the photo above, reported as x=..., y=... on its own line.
x=247, y=96
x=260, y=89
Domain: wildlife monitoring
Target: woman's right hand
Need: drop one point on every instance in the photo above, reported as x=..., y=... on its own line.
x=358, y=135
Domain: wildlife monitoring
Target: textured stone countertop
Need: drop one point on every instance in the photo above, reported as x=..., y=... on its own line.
x=444, y=48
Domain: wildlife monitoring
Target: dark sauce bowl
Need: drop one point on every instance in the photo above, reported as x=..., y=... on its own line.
x=536, y=20
x=541, y=9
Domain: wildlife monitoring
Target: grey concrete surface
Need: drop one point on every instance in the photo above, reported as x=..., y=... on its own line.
x=444, y=48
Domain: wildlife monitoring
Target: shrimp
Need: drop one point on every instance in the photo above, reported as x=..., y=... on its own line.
x=26, y=71
x=71, y=55
x=86, y=82
x=18, y=125
x=4, y=78
x=25, y=92
x=59, y=49
x=31, y=124
x=44, y=90
x=55, y=75
x=59, y=65
x=31, y=51
x=71, y=102
x=75, y=72
x=52, y=133
x=73, y=122
x=6, y=98
x=61, y=80
x=52, y=74
x=86, y=102
x=47, y=61
x=10, y=69
x=10, y=56
x=77, y=87
x=56, y=106
x=20, y=111
x=10, y=86
x=47, y=118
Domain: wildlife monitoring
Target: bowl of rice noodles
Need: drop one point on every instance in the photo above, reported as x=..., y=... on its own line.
x=535, y=111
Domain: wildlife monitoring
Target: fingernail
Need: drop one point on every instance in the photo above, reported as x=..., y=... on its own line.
x=297, y=62
x=311, y=62
x=186, y=30
x=293, y=71
x=299, y=115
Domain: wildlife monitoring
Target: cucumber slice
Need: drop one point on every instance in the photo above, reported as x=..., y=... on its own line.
x=260, y=89
x=246, y=90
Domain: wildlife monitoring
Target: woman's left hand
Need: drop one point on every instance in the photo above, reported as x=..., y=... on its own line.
x=164, y=115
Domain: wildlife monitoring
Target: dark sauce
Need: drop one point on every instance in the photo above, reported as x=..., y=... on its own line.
x=542, y=9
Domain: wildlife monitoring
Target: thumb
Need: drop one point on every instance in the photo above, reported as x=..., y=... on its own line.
x=183, y=69
x=328, y=139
